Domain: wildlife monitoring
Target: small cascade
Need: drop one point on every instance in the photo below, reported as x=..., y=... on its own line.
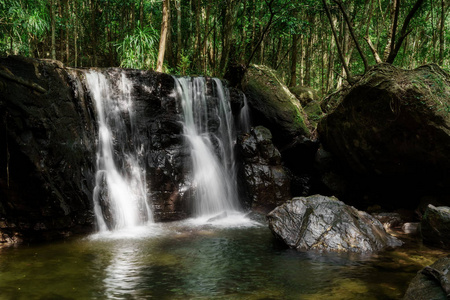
x=209, y=130
x=244, y=117
x=120, y=194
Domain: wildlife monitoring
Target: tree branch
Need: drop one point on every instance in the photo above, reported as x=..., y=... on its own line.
x=404, y=32
x=352, y=33
x=338, y=45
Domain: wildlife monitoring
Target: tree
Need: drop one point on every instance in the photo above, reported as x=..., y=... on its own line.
x=163, y=37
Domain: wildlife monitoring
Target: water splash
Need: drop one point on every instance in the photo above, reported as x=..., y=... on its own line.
x=120, y=194
x=209, y=130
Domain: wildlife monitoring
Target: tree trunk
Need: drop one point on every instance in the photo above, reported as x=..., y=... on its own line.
x=178, y=7
x=163, y=38
x=141, y=13
x=293, y=81
x=404, y=32
x=341, y=55
x=67, y=13
x=441, y=33
x=53, y=16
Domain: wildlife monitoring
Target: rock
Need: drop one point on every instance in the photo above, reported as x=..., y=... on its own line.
x=267, y=181
x=389, y=220
x=48, y=132
x=392, y=129
x=273, y=106
x=431, y=283
x=327, y=224
x=411, y=228
x=435, y=226
x=218, y=217
x=47, y=140
x=304, y=94
x=309, y=100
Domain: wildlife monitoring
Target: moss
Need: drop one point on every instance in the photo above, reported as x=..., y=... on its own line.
x=273, y=99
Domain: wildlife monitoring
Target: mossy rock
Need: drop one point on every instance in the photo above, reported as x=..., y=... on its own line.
x=393, y=120
x=395, y=124
x=273, y=105
x=304, y=94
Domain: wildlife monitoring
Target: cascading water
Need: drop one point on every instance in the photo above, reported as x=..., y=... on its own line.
x=120, y=194
x=209, y=130
x=244, y=117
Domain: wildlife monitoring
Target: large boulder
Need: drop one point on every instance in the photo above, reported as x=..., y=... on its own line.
x=274, y=106
x=392, y=129
x=431, y=283
x=47, y=153
x=327, y=224
x=267, y=180
x=435, y=226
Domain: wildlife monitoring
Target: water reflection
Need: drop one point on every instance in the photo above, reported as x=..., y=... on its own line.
x=183, y=261
x=123, y=275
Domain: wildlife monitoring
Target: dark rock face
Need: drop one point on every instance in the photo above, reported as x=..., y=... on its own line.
x=47, y=153
x=48, y=141
x=392, y=131
x=268, y=182
x=435, y=226
x=327, y=224
x=430, y=283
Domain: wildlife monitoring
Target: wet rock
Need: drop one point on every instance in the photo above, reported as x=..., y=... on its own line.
x=218, y=217
x=267, y=181
x=391, y=131
x=411, y=228
x=389, y=220
x=327, y=224
x=431, y=283
x=47, y=153
x=435, y=226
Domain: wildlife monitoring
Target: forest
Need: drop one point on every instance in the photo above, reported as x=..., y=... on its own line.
x=320, y=44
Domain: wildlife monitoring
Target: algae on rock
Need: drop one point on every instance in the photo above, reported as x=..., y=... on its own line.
x=273, y=105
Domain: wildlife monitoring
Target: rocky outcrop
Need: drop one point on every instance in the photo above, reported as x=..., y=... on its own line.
x=267, y=181
x=48, y=147
x=431, y=283
x=273, y=106
x=47, y=152
x=391, y=131
x=310, y=102
x=435, y=226
x=327, y=224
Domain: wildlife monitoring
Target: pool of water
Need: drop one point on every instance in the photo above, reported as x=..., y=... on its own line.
x=186, y=260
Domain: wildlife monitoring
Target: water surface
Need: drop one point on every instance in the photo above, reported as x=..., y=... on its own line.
x=186, y=260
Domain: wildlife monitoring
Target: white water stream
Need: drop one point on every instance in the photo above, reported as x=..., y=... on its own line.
x=120, y=194
x=209, y=130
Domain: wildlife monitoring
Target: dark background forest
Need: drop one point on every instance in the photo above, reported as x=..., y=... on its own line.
x=309, y=43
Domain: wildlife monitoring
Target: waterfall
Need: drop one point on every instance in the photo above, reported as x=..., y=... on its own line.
x=120, y=194
x=244, y=117
x=209, y=130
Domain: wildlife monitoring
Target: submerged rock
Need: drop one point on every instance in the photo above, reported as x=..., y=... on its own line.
x=435, y=226
x=327, y=224
x=267, y=181
x=431, y=283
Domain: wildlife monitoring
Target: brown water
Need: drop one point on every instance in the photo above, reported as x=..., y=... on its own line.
x=185, y=261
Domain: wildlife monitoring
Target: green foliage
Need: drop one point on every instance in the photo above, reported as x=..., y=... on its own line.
x=184, y=63
x=22, y=26
x=139, y=49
